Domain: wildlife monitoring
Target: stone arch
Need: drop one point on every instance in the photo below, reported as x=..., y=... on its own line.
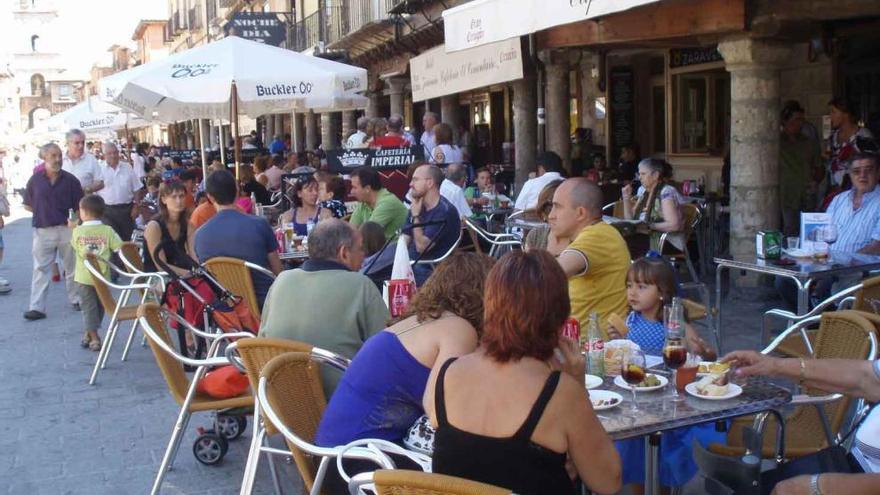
x=38, y=85
x=37, y=116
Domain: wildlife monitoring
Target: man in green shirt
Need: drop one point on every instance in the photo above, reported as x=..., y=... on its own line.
x=326, y=303
x=799, y=160
x=376, y=204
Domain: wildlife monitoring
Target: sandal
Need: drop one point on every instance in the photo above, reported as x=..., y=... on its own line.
x=86, y=340
x=95, y=345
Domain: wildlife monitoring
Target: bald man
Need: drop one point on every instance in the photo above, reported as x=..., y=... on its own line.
x=596, y=259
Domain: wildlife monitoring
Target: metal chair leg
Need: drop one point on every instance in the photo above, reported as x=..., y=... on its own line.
x=105, y=349
x=171, y=450
x=111, y=336
x=253, y=458
x=273, y=470
x=134, y=327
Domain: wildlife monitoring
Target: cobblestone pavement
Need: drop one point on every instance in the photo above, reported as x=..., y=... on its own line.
x=58, y=435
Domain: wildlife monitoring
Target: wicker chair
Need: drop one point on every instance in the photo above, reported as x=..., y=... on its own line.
x=817, y=418
x=436, y=261
x=291, y=397
x=119, y=309
x=152, y=319
x=867, y=298
x=235, y=275
x=252, y=355
x=497, y=241
x=405, y=482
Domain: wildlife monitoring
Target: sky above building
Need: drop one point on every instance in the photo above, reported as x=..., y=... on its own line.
x=87, y=28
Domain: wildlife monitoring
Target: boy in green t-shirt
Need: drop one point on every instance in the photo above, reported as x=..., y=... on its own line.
x=93, y=237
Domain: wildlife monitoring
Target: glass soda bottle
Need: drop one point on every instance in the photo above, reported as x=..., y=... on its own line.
x=596, y=347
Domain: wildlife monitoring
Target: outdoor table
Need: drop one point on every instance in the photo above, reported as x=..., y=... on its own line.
x=658, y=413
x=804, y=272
x=298, y=255
x=524, y=223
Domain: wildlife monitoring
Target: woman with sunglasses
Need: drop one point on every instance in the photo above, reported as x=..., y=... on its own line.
x=305, y=209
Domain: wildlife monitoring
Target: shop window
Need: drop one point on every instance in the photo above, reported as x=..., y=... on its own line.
x=701, y=106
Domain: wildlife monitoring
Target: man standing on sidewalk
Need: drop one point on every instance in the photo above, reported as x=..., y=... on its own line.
x=122, y=190
x=84, y=166
x=50, y=194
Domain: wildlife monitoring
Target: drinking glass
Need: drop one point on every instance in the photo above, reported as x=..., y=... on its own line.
x=793, y=243
x=633, y=369
x=829, y=234
x=674, y=348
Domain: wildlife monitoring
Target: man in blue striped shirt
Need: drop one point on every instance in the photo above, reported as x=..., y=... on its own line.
x=856, y=212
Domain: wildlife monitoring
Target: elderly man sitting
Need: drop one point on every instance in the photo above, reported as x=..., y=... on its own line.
x=326, y=303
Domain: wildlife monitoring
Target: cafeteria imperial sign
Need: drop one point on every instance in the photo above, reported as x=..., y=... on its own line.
x=344, y=161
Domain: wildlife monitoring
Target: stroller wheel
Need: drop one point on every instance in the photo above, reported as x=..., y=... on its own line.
x=230, y=427
x=209, y=448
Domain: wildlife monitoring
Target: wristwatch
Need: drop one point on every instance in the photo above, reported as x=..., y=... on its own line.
x=814, y=485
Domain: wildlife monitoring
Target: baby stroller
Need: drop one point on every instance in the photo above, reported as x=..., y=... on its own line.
x=198, y=303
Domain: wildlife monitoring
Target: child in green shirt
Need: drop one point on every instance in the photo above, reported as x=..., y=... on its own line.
x=93, y=237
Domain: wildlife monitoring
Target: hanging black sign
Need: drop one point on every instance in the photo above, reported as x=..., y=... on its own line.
x=683, y=57
x=622, y=105
x=344, y=161
x=262, y=27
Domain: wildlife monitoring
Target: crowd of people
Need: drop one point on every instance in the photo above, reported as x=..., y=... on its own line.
x=526, y=424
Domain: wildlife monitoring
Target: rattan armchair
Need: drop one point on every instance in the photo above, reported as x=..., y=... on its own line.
x=497, y=241
x=436, y=261
x=817, y=417
x=291, y=397
x=251, y=356
x=406, y=482
x=119, y=309
x=236, y=276
x=152, y=319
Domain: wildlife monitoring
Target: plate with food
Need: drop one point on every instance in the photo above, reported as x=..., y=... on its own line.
x=711, y=367
x=604, y=399
x=713, y=387
x=651, y=382
x=592, y=381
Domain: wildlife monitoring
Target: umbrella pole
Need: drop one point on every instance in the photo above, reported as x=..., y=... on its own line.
x=235, y=140
x=202, y=143
x=222, y=136
x=127, y=141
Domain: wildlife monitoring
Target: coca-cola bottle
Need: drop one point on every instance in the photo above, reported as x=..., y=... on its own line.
x=596, y=347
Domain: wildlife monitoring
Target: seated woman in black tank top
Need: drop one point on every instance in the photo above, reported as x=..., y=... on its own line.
x=168, y=231
x=511, y=413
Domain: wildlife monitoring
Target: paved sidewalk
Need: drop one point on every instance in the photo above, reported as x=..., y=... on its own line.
x=61, y=436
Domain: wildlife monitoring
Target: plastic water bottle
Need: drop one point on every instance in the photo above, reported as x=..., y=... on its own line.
x=596, y=347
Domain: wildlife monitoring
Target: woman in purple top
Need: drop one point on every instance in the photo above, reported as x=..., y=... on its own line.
x=380, y=395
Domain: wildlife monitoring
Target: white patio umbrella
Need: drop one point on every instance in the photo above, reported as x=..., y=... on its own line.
x=234, y=76
x=84, y=117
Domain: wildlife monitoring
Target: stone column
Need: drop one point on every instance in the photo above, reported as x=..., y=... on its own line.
x=558, y=114
x=268, y=129
x=525, y=124
x=375, y=102
x=312, y=133
x=449, y=113
x=754, y=143
x=297, y=132
x=329, y=139
x=279, y=125
x=349, y=124
x=396, y=87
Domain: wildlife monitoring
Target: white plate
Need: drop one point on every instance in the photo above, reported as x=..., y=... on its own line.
x=732, y=391
x=620, y=382
x=798, y=253
x=605, y=395
x=592, y=381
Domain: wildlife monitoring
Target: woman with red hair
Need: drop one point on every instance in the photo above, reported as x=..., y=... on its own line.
x=511, y=413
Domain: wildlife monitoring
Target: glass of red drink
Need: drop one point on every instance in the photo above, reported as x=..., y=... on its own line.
x=674, y=349
x=632, y=369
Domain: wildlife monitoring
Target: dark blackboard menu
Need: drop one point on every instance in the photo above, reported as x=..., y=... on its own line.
x=622, y=106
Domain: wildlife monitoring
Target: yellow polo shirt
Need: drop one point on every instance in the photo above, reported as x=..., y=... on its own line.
x=602, y=288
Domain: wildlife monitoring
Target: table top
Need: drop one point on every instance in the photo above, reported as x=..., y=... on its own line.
x=804, y=268
x=301, y=255
x=525, y=223
x=658, y=413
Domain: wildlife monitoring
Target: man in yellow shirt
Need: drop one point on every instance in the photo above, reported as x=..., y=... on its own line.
x=597, y=258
